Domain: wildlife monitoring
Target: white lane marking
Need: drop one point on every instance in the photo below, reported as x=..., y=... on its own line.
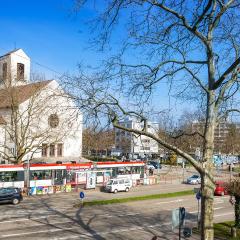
x=27, y=219
x=193, y=212
x=87, y=234
x=53, y=215
x=217, y=208
x=173, y=201
x=42, y=231
x=224, y=214
x=117, y=230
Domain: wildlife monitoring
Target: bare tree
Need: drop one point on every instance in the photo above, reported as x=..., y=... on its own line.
x=233, y=188
x=34, y=119
x=97, y=140
x=191, y=45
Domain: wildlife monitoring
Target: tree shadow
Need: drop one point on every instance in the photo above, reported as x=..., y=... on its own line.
x=115, y=221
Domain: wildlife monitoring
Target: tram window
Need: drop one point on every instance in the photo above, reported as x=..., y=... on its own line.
x=70, y=177
x=41, y=175
x=11, y=176
x=99, y=174
x=58, y=176
x=135, y=170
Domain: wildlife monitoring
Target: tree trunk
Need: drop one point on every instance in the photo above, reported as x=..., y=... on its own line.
x=207, y=232
x=207, y=183
x=237, y=211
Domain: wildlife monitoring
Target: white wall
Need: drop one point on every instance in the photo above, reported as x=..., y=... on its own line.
x=139, y=144
x=69, y=131
x=49, y=101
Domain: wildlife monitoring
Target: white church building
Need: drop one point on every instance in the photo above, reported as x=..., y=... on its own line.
x=38, y=121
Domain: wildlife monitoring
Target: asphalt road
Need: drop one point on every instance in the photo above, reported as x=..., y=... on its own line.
x=53, y=217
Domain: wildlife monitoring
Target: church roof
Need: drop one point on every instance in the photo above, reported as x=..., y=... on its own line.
x=8, y=53
x=20, y=94
x=2, y=121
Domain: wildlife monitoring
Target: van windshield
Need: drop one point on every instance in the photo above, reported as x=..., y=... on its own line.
x=110, y=182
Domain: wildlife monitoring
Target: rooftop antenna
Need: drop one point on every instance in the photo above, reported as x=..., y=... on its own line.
x=15, y=46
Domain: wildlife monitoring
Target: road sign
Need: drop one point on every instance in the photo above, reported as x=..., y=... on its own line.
x=175, y=218
x=178, y=216
x=182, y=214
x=81, y=195
x=187, y=232
x=196, y=190
x=198, y=195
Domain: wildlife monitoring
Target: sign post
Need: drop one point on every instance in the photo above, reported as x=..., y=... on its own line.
x=82, y=195
x=182, y=215
x=198, y=197
x=178, y=216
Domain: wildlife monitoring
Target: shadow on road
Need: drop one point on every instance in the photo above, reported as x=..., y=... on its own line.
x=115, y=221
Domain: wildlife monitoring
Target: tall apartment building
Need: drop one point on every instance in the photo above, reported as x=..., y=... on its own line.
x=221, y=133
x=130, y=143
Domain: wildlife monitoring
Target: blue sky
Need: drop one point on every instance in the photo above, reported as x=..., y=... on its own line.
x=52, y=35
x=48, y=31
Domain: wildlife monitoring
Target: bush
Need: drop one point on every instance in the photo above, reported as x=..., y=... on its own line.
x=100, y=159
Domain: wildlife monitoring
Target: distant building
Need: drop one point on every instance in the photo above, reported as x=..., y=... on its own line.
x=132, y=144
x=221, y=133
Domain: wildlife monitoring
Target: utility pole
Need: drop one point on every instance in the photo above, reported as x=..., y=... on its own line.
x=28, y=175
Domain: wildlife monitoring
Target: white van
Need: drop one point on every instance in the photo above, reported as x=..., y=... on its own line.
x=118, y=184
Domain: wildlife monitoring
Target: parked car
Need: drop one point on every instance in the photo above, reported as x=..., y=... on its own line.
x=150, y=166
x=220, y=189
x=118, y=184
x=194, y=179
x=13, y=195
x=155, y=164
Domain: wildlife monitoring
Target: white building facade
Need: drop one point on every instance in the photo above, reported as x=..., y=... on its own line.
x=130, y=143
x=37, y=120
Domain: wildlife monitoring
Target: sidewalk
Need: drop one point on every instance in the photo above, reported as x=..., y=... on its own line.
x=96, y=194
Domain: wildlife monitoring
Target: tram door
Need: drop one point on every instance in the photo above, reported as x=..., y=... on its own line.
x=90, y=180
x=58, y=176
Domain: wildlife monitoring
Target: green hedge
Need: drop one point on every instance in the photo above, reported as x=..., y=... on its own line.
x=137, y=198
x=100, y=159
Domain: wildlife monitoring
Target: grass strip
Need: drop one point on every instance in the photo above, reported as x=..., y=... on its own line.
x=137, y=198
x=222, y=231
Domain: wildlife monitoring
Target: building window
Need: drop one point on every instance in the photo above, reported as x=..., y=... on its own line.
x=44, y=150
x=52, y=150
x=60, y=150
x=4, y=71
x=53, y=120
x=20, y=71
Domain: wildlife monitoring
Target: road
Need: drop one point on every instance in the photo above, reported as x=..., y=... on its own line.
x=54, y=217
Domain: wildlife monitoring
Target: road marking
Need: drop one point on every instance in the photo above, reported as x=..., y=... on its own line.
x=41, y=231
x=53, y=215
x=86, y=234
x=218, y=202
x=173, y=201
x=217, y=208
x=117, y=230
x=224, y=214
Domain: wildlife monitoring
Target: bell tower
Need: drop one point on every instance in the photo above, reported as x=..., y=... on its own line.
x=14, y=69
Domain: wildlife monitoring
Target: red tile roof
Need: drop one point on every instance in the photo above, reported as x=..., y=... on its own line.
x=8, y=53
x=2, y=121
x=20, y=94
